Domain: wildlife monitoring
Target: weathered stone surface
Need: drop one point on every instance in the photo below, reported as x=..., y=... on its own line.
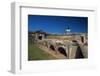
x=72, y=52
x=85, y=51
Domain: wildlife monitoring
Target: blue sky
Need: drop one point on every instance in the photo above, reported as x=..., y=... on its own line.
x=57, y=24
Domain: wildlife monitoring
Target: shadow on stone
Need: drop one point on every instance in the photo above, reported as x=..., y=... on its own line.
x=52, y=47
x=62, y=51
x=79, y=53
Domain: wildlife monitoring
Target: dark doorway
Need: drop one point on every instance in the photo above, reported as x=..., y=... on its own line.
x=52, y=47
x=82, y=39
x=62, y=51
x=79, y=53
x=40, y=37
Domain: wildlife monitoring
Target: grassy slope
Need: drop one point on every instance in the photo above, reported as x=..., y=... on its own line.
x=35, y=53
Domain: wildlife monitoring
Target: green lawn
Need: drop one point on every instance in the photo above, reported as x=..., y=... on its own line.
x=35, y=53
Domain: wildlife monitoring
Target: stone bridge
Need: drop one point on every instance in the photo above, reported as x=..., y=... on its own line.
x=69, y=49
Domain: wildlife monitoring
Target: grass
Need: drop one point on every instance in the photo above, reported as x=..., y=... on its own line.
x=54, y=36
x=35, y=53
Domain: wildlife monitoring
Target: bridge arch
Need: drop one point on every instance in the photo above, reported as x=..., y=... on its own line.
x=52, y=47
x=62, y=51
